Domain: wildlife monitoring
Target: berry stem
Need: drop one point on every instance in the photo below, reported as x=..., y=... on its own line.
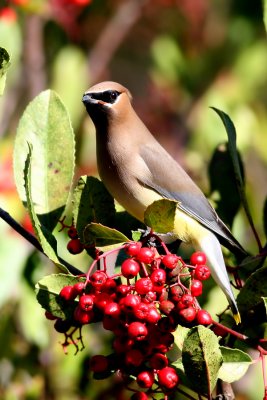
x=152, y=234
x=144, y=269
x=244, y=338
x=98, y=258
x=63, y=225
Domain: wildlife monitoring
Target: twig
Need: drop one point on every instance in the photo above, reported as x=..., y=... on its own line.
x=32, y=239
x=113, y=35
x=34, y=60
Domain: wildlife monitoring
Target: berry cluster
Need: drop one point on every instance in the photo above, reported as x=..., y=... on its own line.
x=142, y=305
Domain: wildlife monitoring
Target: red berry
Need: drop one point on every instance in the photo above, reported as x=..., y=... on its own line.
x=112, y=310
x=129, y=302
x=150, y=297
x=168, y=378
x=158, y=277
x=86, y=302
x=101, y=300
x=176, y=293
x=145, y=379
x=137, y=331
x=83, y=317
x=198, y=258
x=186, y=301
x=132, y=249
x=123, y=290
x=170, y=261
x=166, y=306
x=196, y=287
x=188, y=314
x=72, y=233
x=146, y=255
x=143, y=285
x=75, y=246
x=153, y=316
x=163, y=295
x=98, y=279
x=67, y=293
x=98, y=363
x=110, y=286
x=203, y=317
x=130, y=268
x=134, y=357
x=50, y=316
x=141, y=311
x=158, y=361
x=62, y=326
x=202, y=272
x=78, y=288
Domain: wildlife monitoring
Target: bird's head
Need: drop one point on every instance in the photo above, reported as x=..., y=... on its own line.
x=107, y=101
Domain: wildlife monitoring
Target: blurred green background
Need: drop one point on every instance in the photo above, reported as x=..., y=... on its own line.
x=178, y=58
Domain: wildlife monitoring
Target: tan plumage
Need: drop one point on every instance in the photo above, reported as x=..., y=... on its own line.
x=137, y=170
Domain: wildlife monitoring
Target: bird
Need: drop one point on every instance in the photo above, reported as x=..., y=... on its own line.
x=137, y=171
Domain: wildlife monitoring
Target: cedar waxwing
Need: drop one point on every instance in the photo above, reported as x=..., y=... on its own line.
x=137, y=170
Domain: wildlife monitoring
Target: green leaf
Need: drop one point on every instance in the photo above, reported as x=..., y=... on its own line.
x=47, y=294
x=179, y=336
x=136, y=236
x=202, y=359
x=92, y=203
x=264, y=299
x=235, y=364
x=223, y=182
x=45, y=124
x=250, y=296
x=45, y=237
x=252, y=263
x=4, y=65
x=160, y=215
x=100, y=235
x=231, y=133
x=174, y=355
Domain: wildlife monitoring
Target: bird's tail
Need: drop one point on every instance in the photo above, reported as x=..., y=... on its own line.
x=210, y=245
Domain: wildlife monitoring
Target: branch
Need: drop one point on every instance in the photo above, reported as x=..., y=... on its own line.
x=113, y=35
x=34, y=60
x=32, y=239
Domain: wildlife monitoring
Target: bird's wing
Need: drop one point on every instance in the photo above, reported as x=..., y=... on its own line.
x=169, y=180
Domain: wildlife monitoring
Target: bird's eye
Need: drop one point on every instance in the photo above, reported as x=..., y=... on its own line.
x=108, y=96
x=113, y=95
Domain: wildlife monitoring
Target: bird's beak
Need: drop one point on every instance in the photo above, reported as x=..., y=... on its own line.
x=90, y=99
x=87, y=98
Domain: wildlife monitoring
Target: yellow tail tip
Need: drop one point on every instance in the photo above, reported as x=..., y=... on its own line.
x=237, y=318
